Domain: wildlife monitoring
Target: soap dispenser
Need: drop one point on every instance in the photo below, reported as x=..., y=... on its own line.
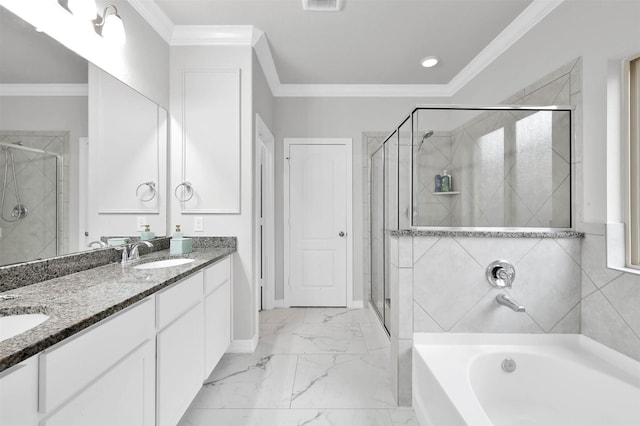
x=179, y=244
x=445, y=181
x=147, y=234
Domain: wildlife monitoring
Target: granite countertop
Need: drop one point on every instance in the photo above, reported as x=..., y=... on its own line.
x=77, y=301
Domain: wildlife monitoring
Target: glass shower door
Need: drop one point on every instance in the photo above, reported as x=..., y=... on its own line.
x=377, y=232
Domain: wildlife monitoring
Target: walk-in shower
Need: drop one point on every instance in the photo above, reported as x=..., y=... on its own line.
x=505, y=167
x=30, y=202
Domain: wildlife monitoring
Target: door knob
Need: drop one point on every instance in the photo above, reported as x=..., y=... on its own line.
x=341, y=234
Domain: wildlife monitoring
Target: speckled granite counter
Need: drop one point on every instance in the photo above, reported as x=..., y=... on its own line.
x=79, y=300
x=483, y=233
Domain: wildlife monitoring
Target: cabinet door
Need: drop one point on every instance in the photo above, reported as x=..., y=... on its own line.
x=217, y=326
x=122, y=396
x=180, y=350
x=211, y=140
x=19, y=394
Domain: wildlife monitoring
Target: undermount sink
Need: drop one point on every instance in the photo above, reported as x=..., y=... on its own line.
x=167, y=263
x=12, y=325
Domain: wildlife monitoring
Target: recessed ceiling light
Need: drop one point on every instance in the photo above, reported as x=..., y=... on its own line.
x=429, y=61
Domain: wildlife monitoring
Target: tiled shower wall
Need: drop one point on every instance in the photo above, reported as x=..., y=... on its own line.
x=439, y=285
x=452, y=294
x=610, y=299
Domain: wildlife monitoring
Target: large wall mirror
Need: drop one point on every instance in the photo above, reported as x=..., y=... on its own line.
x=82, y=155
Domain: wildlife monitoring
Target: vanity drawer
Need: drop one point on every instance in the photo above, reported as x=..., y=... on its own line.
x=178, y=299
x=67, y=368
x=217, y=274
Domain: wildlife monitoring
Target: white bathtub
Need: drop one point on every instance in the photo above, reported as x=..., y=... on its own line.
x=560, y=380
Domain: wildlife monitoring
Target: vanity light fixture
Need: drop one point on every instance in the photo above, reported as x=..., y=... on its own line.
x=110, y=26
x=429, y=61
x=83, y=9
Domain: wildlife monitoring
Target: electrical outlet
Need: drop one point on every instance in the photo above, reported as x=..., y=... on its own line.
x=141, y=221
x=198, y=224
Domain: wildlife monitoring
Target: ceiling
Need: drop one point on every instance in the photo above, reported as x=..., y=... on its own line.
x=373, y=42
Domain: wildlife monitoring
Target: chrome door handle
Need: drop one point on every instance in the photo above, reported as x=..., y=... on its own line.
x=341, y=234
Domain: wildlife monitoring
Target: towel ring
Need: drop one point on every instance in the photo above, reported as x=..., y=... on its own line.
x=151, y=190
x=187, y=192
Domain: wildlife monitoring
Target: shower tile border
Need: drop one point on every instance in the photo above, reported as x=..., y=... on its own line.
x=483, y=234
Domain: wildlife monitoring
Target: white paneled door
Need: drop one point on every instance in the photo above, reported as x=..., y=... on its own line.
x=318, y=218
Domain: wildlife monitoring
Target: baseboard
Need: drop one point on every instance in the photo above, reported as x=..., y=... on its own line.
x=246, y=346
x=356, y=304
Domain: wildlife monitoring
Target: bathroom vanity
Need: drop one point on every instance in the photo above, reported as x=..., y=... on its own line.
x=121, y=346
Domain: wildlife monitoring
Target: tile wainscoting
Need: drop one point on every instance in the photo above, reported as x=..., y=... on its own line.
x=438, y=284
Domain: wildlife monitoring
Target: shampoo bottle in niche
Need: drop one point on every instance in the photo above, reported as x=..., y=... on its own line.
x=179, y=244
x=438, y=182
x=446, y=181
x=147, y=234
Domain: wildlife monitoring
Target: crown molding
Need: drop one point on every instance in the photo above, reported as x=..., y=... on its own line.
x=247, y=35
x=522, y=24
x=213, y=35
x=263, y=53
x=44, y=90
x=159, y=21
x=363, y=90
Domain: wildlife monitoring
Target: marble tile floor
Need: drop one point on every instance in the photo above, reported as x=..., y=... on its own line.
x=312, y=367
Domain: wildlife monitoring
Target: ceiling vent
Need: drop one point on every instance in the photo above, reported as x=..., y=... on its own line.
x=322, y=5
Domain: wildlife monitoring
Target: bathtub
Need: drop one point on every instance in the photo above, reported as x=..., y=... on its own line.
x=559, y=380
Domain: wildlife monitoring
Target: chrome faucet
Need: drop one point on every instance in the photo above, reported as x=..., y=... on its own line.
x=506, y=300
x=130, y=252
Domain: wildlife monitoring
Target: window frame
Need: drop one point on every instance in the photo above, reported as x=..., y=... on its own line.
x=632, y=128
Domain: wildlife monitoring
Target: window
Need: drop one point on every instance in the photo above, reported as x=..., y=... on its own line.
x=634, y=163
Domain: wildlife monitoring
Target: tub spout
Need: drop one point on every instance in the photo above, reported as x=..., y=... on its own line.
x=507, y=301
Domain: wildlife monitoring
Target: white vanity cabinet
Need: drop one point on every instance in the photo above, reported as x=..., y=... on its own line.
x=217, y=312
x=142, y=366
x=19, y=394
x=104, y=375
x=180, y=348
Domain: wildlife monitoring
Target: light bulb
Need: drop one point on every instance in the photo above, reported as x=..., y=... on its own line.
x=429, y=61
x=83, y=9
x=113, y=30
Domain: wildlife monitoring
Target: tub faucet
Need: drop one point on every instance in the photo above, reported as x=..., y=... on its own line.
x=130, y=252
x=507, y=301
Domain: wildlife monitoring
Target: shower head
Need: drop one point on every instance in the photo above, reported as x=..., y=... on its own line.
x=426, y=135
